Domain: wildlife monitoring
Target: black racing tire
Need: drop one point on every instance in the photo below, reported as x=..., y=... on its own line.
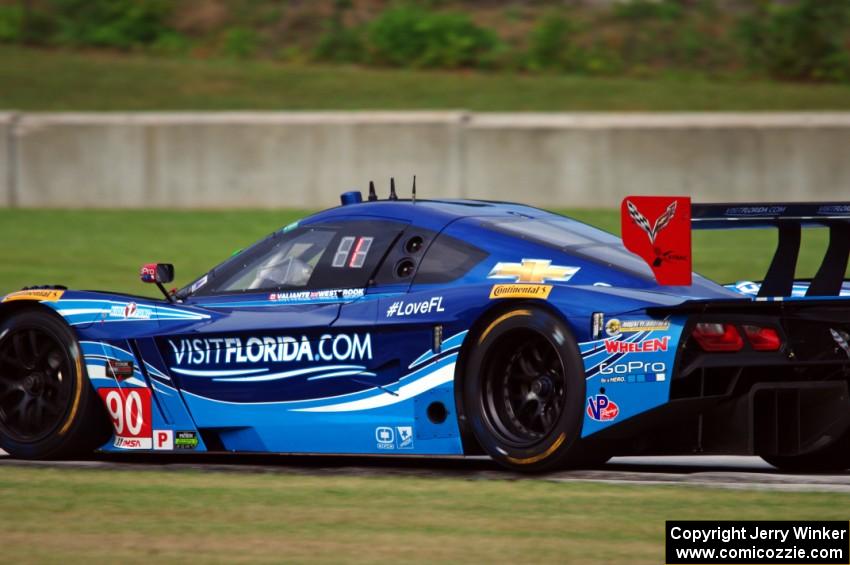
x=48, y=408
x=832, y=458
x=524, y=390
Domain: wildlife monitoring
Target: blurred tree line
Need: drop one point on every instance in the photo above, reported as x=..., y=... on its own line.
x=789, y=39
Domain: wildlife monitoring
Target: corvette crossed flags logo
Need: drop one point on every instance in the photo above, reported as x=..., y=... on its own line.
x=662, y=222
x=658, y=230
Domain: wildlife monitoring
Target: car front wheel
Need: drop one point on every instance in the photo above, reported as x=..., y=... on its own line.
x=48, y=408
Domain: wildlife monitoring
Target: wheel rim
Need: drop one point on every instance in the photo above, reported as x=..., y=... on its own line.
x=35, y=384
x=525, y=388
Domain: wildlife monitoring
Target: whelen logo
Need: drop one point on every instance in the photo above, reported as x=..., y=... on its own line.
x=646, y=346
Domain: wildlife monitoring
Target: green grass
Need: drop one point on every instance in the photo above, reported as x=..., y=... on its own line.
x=37, y=80
x=78, y=516
x=103, y=249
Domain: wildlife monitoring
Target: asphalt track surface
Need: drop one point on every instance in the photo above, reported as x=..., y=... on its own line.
x=714, y=471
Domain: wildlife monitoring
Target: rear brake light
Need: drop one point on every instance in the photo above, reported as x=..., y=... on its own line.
x=763, y=339
x=718, y=337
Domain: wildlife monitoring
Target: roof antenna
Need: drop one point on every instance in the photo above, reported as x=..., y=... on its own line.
x=414, y=189
x=393, y=195
x=372, y=194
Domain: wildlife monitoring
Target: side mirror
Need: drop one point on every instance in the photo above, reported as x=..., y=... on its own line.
x=160, y=273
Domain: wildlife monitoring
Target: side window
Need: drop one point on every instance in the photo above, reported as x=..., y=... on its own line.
x=448, y=259
x=355, y=253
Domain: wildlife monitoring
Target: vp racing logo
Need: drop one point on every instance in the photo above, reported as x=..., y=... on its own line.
x=270, y=349
x=600, y=408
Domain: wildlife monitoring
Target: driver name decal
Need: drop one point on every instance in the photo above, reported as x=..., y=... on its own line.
x=317, y=295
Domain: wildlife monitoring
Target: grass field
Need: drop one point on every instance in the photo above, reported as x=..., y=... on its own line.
x=78, y=516
x=103, y=249
x=37, y=80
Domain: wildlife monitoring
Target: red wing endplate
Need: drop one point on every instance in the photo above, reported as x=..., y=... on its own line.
x=658, y=229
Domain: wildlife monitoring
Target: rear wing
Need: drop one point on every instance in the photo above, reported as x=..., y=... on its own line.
x=658, y=229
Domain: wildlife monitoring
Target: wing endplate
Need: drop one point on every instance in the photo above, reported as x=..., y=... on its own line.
x=645, y=219
x=658, y=229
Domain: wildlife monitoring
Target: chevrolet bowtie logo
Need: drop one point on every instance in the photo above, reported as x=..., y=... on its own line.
x=532, y=271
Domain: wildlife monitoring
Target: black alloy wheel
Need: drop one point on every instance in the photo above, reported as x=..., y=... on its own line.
x=48, y=407
x=523, y=390
x=35, y=383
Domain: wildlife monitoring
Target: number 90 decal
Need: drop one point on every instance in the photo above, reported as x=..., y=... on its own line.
x=130, y=411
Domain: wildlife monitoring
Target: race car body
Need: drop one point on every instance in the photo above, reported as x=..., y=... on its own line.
x=448, y=328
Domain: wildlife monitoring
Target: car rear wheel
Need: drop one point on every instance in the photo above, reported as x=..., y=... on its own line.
x=48, y=408
x=523, y=390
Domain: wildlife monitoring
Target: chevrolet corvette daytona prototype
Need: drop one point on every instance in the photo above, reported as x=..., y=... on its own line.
x=451, y=328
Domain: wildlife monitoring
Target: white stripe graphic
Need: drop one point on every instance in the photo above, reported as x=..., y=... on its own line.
x=290, y=374
x=341, y=374
x=222, y=373
x=444, y=374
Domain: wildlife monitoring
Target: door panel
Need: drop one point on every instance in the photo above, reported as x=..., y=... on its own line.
x=266, y=354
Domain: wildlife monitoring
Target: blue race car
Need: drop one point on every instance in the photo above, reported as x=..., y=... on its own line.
x=450, y=328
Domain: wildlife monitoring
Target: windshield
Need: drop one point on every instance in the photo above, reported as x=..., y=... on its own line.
x=286, y=264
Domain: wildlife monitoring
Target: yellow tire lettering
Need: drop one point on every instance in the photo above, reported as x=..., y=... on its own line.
x=549, y=451
x=77, y=393
x=499, y=320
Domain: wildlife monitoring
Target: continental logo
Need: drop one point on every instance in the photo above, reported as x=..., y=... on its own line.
x=44, y=295
x=521, y=291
